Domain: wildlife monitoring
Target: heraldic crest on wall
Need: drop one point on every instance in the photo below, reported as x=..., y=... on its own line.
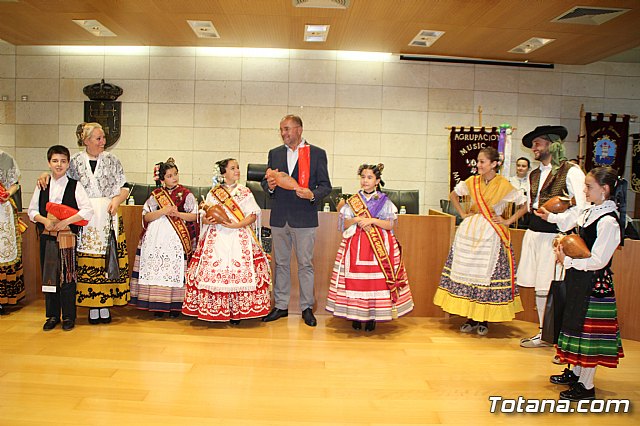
x=104, y=109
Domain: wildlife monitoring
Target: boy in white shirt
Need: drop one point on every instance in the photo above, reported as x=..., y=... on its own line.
x=58, y=237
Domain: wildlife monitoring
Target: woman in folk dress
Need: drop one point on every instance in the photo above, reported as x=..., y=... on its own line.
x=11, y=277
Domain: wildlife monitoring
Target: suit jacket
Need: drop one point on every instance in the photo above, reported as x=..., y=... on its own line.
x=287, y=207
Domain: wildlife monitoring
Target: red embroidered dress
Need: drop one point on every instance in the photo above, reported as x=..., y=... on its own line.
x=229, y=274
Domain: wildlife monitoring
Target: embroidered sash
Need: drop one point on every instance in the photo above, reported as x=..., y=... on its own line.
x=226, y=199
x=377, y=244
x=164, y=199
x=501, y=230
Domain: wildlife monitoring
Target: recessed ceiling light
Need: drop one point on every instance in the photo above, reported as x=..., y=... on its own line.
x=426, y=38
x=204, y=29
x=321, y=4
x=531, y=45
x=95, y=27
x=316, y=33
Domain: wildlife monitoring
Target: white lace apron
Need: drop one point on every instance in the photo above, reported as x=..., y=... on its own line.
x=161, y=255
x=8, y=242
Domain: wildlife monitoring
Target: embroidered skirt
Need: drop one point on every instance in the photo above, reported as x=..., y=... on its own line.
x=93, y=289
x=493, y=302
x=213, y=294
x=11, y=273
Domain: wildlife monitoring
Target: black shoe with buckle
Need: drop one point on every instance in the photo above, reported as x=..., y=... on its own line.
x=309, y=319
x=68, y=324
x=566, y=378
x=357, y=325
x=578, y=392
x=275, y=314
x=50, y=324
x=234, y=321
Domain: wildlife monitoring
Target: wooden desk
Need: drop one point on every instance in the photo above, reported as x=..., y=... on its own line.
x=425, y=241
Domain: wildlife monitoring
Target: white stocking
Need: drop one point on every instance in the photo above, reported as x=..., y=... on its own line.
x=587, y=374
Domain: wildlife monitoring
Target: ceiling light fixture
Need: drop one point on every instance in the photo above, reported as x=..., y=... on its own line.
x=95, y=27
x=316, y=33
x=321, y=4
x=426, y=38
x=532, y=44
x=204, y=29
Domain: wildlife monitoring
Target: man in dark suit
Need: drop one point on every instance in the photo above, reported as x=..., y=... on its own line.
x=294, y=217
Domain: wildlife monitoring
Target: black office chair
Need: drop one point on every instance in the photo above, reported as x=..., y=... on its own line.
x=332, y=199
x=409, y=198
x=446, y=207
x=140, y=191
x=255, y=174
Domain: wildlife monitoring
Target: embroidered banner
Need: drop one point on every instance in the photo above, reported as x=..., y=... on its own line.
x=464, y=147
x=606, y=141
x=635, y=163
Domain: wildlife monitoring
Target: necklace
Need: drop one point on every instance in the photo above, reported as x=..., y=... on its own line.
x=170, y=189
x=369, y=193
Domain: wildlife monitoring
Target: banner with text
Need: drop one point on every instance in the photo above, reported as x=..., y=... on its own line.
x=464, y=146
x=606, y=141
x=635, y=164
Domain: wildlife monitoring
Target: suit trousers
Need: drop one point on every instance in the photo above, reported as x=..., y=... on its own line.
x=302, y=240
x=64, y=299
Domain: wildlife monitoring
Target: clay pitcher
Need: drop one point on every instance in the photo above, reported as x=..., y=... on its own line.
x=283, y=180
x=573, y=246
x=559, y=204
x=216, y=213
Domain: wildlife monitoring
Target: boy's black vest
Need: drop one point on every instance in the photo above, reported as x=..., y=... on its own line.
x=68, y=199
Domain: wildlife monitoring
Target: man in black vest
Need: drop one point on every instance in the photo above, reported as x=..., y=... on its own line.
x=294, y=217
x=554, y=176
x=60, y=296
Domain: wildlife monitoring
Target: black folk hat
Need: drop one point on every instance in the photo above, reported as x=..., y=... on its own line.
x=560, y=131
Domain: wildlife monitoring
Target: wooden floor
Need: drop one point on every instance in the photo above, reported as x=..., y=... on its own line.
x=413, y=371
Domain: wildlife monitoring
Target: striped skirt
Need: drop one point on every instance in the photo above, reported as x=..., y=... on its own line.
x=359, y=294
x=599, y=342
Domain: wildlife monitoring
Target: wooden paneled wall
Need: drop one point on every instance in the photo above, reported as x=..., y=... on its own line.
x=425, y=241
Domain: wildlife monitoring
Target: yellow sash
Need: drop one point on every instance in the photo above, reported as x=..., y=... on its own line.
x=502, y=231
x=375, y=239
x=164, y=199
x=226, y=199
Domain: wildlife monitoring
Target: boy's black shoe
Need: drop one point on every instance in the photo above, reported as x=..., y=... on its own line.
x=68, y=324
x=50, y=324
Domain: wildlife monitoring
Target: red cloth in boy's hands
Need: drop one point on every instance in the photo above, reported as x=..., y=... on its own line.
x=62, y=212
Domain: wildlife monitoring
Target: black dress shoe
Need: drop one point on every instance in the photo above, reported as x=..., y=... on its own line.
x=357, y=325
x=309, y=319
x=234, y=322
x=50, y=324
x=370, y=325
x=174, y=314
x=68, y=324
x=106, y=320
x=94, y=321
x=1, y=310
x=275, y=314
x=566, y=378
x=157, y=314
x=578, y=392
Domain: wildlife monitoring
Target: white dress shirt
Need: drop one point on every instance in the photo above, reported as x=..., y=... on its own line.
x=606, y=242
x=56, y=192
x=292, y=156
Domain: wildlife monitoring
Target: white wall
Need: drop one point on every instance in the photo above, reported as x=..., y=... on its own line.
x=200, y=105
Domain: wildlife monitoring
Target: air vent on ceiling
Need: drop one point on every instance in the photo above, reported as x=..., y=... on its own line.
x=204, y=29
x=321, y=4
x=589, y=15
x=426, y=38
x=95, y=27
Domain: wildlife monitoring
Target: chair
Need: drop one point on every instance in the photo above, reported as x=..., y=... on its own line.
x=332, y=199
x=140, y=191
x=410, y=199
x=446, y=207
x=255, y=174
